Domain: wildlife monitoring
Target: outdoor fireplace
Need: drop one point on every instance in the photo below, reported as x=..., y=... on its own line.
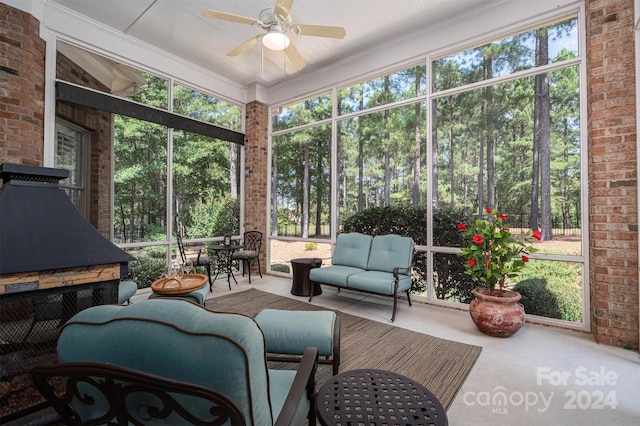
x=53, y=263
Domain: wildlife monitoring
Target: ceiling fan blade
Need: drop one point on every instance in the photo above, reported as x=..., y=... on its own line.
x=229, y=17
x=283, y=7
x=295, y=58
x=244, y=46
x=319, y=31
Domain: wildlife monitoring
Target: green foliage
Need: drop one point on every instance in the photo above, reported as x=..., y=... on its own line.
x=310, y=246
x=215, y=218
x=281, y=267
x=227, y=218
x=401, y=220
x=145, y=270
x=156, y=252
x=537, y=299
x=493, y=254
x=561, y=279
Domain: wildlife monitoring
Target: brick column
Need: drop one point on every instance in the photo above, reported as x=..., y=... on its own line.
x=22, y=56
x=255, y=173
x=613, y=215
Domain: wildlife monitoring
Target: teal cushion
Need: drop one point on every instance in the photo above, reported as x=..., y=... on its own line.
x=292, y=332
x=378, y=282
x=179, y=340
x=352, y=249
x=280, y=382
x=126, y=290
x=390, y=251
x=335, y=275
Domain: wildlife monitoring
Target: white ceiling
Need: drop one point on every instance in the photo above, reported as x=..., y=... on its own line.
x=178, y=27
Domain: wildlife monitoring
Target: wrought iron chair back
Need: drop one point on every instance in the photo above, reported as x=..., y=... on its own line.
x=89, y=384
x=199, y=260
x=250, y=251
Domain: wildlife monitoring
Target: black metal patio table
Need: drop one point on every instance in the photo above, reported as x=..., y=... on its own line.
x=223, y=260
x=377, y=397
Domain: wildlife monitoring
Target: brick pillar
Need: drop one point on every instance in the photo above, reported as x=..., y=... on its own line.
x=255, y=173
x=22, y=56
x=613, y=243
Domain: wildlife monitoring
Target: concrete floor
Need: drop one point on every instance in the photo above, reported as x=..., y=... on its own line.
x=540, y=376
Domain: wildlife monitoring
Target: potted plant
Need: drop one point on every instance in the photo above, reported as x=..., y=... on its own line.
x=493, y=256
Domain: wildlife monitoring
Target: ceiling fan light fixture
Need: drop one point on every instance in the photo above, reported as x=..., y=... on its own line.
x=275, y=39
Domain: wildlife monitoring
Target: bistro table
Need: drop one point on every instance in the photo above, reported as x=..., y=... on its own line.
x=223, y=260
x=377, y=397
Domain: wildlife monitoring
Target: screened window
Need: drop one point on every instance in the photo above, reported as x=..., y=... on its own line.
x=300, y=185
x=301, y=113
x=507, y=56
x=498, y=126
x=394, y=87
x=513, y=143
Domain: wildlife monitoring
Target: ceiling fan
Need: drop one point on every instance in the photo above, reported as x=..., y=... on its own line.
x=276, y=22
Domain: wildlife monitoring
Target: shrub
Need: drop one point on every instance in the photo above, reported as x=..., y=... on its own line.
x=156, y=252
x=215, y=218
x=561, y=280
x=281, y=267
x=144, y=270
x=227, y=219
x=310, y=246
x=537, y=299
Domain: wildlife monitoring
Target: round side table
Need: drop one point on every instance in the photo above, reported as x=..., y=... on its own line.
x=377, y=397
x=301, y=285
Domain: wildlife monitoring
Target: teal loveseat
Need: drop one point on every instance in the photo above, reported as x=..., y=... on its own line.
x=179, y=344
x=378, y=265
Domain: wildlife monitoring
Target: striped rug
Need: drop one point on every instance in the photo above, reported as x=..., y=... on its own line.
x=440, y=365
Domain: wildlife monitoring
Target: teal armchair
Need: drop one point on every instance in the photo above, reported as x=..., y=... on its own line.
x=179, y=341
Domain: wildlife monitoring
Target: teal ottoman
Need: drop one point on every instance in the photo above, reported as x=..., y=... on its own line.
x=291, y=332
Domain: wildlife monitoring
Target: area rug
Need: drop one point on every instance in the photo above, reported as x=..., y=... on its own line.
x=440, y=365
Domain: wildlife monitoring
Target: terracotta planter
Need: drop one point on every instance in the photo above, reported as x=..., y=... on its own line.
x=498, y=316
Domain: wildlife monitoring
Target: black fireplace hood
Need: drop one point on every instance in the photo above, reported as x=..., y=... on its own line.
x=41, y=229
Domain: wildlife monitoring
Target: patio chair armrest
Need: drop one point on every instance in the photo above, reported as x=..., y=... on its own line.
x=397, y=270
x=303, y=387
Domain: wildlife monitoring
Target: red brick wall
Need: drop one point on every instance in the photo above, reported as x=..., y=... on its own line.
x=255, y=172
x=22, y=56
x=613, y=243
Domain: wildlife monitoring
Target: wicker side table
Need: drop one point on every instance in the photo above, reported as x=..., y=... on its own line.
x=301, y=285
x=377, y=397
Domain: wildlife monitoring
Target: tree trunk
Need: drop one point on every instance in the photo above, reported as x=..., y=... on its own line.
x=542, y=133
x=305, y=192
x=233, y=170
x=489, y=126
x=417, y=147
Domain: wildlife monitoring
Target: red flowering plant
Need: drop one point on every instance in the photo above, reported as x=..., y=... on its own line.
x=494, y=254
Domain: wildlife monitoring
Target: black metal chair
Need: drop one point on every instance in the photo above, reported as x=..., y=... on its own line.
x=200, y=260
x=250, y=250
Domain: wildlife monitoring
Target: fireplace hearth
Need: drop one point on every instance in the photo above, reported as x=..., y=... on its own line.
x=53, y=264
